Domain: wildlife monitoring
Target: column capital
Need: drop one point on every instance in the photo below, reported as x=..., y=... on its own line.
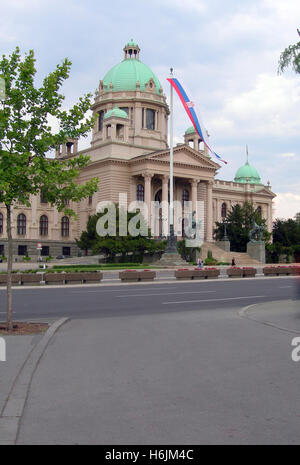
x=147, y=175
x=210, y=183
x=194, y=182
x=165, y=177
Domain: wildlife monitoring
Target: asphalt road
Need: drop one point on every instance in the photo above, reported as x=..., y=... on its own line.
x=122, y=300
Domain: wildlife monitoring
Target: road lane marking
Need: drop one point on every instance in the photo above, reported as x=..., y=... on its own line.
x=121, y=290
x=165, y=293
x=214, y=300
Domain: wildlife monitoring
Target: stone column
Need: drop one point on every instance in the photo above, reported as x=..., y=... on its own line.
x=147, y=180
x=209, y=219
x=194, y=184
x=165, y=205
x=270, y=219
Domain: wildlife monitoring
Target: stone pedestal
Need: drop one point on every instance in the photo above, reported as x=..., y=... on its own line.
x=171, y=259
x=224, y=245
x=257, y=250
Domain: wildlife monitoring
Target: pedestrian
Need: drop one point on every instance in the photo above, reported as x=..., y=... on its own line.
x=233, y=262
x=200, y=263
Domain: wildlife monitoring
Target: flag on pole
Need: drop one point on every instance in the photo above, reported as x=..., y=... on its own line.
x=189, y=108
x=2, y=89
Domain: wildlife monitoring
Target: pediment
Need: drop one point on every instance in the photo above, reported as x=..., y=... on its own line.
x=184, y=155
x=265, y=191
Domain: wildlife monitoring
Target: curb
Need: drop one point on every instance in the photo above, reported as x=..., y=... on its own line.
x=243, y=313
x=167, y=280
x=15, y=403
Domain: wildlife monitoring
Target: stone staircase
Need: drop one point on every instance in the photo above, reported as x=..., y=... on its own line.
x=222, y=256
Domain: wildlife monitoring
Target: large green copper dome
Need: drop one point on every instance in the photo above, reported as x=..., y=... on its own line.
x=125, y=75
x=247, y=174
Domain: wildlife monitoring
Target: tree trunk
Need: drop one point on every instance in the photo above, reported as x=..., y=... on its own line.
x=9, y=322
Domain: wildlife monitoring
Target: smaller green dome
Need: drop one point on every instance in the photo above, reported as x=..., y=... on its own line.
x=131, y=44
x=247, y=174
x=190, y=130
x=116, y=112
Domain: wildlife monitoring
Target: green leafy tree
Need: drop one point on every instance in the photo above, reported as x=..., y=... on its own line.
x=286, y=239
x=26, y=138
x=290, y=57
x=111, y=245
x=239, y=223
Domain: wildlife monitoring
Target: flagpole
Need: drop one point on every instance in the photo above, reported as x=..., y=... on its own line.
x=171, y=247
x=171, y=161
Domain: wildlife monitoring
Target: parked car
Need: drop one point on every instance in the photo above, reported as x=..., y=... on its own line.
x=60, y=257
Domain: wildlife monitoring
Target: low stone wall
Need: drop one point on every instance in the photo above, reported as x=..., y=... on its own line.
x=136, y=276
x=52, y=278
x=206, y=273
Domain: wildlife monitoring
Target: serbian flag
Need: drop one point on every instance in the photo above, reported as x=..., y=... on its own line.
x=189, y=108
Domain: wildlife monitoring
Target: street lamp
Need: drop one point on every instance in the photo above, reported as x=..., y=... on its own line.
x=225, y=222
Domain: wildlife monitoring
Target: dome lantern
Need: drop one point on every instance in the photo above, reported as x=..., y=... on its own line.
x=131, y=51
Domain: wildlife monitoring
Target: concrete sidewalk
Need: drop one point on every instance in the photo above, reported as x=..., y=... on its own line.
x=23, y=354
x=192, y=377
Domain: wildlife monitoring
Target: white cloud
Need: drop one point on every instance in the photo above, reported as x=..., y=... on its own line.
x=287, y=155
x=196, y=6
x=271, y=108
x=286, y=205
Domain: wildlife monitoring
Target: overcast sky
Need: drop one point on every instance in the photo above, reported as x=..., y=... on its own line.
x=225, y=54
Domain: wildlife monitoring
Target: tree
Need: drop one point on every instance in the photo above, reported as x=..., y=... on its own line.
x=290, y=56
x=26, y=139
x=286, y=239
x=111, y=245
x=239, y=224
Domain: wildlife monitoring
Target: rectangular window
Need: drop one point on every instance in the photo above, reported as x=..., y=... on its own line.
x=100, y=120
x=1, y=249
x=45, y=252
x=90, y=199
x=22, y=250
x=131, y=116
x=150, y=119
x=43, y=198
x=143, y=117
x=66, y=251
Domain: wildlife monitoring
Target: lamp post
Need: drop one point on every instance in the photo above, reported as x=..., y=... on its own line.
x=225, y=222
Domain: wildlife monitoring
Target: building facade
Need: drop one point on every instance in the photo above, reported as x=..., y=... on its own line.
x=129, y=154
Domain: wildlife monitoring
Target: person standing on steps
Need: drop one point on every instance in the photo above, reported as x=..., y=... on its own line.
x=233, y=262
x=200, y=264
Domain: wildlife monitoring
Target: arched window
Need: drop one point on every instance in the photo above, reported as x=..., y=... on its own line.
x=65, y=226
x=140, y=193
x=185, y=196
x=1, y=223
x=44, y=225
x=224, y=210
x=21, y=224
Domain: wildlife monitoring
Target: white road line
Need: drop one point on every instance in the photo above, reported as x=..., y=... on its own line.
x=284, y=287
x=121, y=290
x=165, y=293
x=213, y=300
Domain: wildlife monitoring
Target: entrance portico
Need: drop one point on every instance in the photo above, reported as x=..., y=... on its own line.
x=193, y=179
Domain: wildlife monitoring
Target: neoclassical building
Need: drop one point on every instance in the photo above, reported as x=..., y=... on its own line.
x=129, y=154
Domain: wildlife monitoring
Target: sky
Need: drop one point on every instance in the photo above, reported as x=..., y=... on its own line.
x=225, y=57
